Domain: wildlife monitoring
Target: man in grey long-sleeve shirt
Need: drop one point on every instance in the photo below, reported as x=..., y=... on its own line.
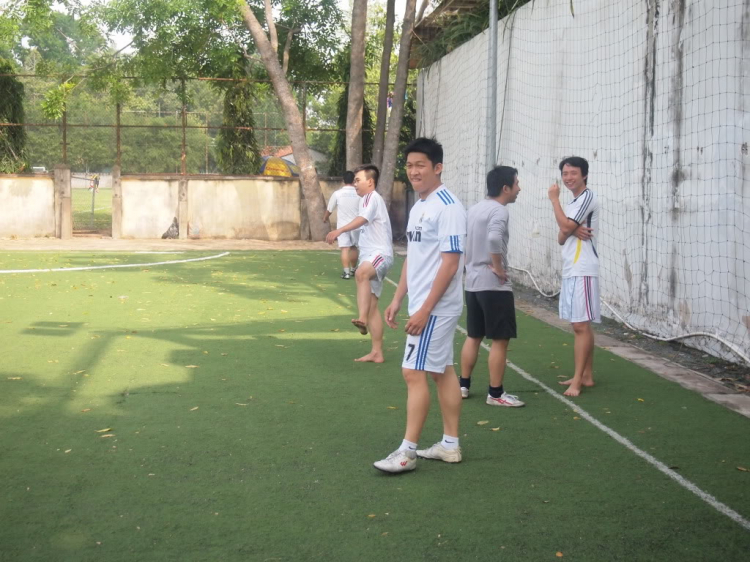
x=489, y=294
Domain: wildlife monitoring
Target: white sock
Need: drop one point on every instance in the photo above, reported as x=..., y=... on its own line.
x=449, y=442
x=407, y=446
x=347, y=270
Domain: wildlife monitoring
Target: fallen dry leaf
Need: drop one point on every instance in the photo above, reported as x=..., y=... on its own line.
x=240, y=404
x=743, y=469
x=105, y=430
x=495, y=429
x=86, y=410
x=559, y=554
x=485, y=422
x=191, y=366
x=194, y=409
x=14, y=378
x=68, y=450
x=641, y=400
x=392, y=408
x=107, y=435
x=372, y=516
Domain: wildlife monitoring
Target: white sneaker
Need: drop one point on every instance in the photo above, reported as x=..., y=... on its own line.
x=438, y=452
x=398, y=461
x=464, y=392
x=505, y=400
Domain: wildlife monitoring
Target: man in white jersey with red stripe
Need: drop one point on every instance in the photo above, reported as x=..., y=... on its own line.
x=346, y=201
x=375, y=256
x=579, y=294
x=431, y=276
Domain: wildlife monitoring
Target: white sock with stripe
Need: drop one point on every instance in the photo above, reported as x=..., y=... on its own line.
x=449, y=442
x=407, y=446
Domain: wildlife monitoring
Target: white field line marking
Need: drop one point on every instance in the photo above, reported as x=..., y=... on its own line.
x=653, y=461
x=121, y=266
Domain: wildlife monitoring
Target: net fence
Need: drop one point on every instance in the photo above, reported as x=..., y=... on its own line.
x=655, y=96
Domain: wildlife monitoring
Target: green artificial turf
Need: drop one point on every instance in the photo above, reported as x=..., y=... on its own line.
x=213, y=411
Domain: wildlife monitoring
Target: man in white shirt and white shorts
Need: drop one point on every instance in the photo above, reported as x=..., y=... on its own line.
x=579, y=294
x=375, y=259
x=346, y=201
x=432, y=277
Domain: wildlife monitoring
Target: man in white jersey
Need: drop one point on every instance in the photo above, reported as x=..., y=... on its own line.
x=376, y=256
x=431, y=275
x=490, y=309
x=579, y=295
x=347, y=202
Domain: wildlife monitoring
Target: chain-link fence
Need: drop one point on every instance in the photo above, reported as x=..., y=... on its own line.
x=172, y=128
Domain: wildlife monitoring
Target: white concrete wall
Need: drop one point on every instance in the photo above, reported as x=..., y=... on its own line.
x=657, y=102
x=27, y=206
x=149, y=205
x=256, y=208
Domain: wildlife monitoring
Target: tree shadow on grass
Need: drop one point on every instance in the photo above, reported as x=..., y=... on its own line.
x=143, y=451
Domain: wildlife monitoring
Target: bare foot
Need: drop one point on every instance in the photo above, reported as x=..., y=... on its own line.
x=572, y=391
x=361, y=326
x=372, y=357
x=570, y=381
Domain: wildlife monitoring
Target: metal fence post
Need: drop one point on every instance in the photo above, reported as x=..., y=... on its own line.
x=183, y=156
x=65, y=137
x=118, y=154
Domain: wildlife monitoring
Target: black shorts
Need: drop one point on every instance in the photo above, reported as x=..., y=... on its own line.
x=491, y=314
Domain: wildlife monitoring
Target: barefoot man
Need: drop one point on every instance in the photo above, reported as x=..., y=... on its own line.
x=579, y=295
x=375, y=256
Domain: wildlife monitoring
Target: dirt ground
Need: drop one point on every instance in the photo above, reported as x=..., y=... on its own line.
x=731, y=375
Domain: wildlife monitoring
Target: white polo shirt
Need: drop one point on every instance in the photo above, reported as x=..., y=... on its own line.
x=436, y=225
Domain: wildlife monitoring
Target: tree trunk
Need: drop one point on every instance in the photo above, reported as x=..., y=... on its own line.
x=422, y=9
x=356, y=85
x=385, y=71
x=293, y=119
x=388, y=171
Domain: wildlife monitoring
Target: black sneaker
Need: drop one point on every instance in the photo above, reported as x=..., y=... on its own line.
x=346, y=275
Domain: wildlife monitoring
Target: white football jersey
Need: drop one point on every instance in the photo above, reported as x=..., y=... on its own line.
x=436, y=225
x=580, y=259
x=376, y=235
x=347, y=202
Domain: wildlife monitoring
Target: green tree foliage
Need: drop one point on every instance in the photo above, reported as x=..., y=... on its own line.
x=237, y=149
x=457, y=29
x=13, y=153
x=66, y=41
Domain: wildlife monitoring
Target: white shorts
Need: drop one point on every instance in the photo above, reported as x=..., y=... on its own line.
x=349, y=239
x=579, y=299
x=432, y=350
x=382, y=263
